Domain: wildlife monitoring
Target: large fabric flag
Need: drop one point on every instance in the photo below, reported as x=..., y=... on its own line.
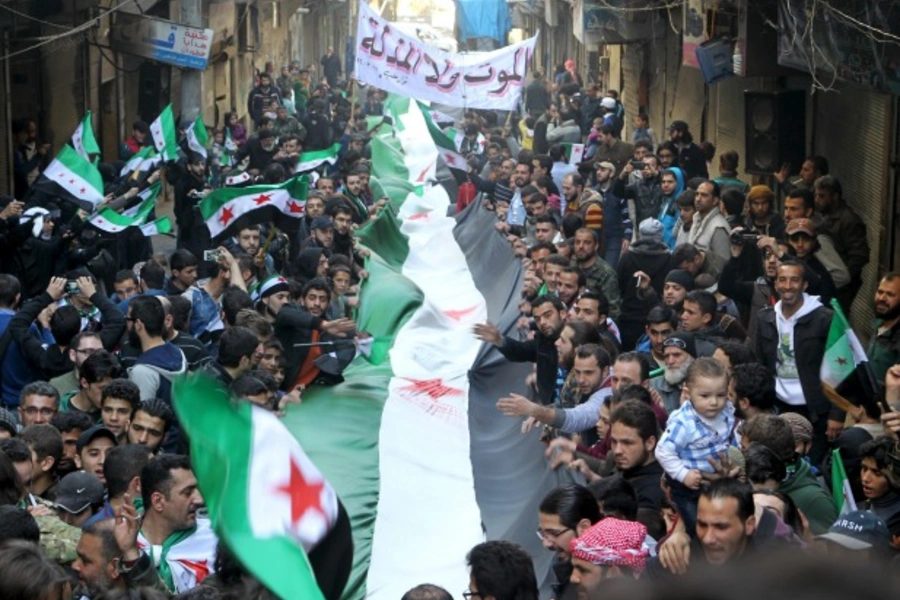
x=72, y=177
x=165, y=136
x=313, y=159
x=83, y=139
x=425, y=464
x=197, y=139
x=840, y=485
x=445, y=146
x=111, y=221
x=845, y=366
x=226, y=209
x=143, y=160
x=266, y=498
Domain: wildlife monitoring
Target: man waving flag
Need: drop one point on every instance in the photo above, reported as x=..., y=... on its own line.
x=266, y=499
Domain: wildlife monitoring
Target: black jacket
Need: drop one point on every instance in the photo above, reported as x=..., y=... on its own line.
x=654, y=259
x=810, y=334
x=51, y=362
x=542, y=351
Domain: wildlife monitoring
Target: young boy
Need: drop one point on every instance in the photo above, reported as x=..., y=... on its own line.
x=118, y=403
x=880, y=481
x=340, y=281
x=700, y=429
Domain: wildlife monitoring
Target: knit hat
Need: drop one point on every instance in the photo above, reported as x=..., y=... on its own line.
x=271, y=285
x=800, y=426
x=613, y=542
x=683, y=340
x=759, y=192
x=682, y=278
x=651, y=228
x=707, y=282
x=8, y=422
x=321, y=223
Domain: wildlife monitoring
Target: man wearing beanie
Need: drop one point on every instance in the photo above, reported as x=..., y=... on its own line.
x=645, y=265
x=676, y=286
x=762, y=219
x=611, y=548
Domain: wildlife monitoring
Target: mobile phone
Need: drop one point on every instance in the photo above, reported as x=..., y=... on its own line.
x=211, y=255
x=637, y=165
x=72, y=288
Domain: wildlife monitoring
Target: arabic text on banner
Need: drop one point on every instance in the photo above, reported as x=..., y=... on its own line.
x=396, y=62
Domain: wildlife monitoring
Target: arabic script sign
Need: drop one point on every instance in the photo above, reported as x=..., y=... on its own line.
x=396, y=62
x=161, y=40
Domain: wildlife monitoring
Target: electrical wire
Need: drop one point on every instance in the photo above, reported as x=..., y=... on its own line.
x=83, y=27
x=30, y=18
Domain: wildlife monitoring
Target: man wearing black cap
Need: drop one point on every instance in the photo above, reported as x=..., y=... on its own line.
x=91, y=449
x=675, y=288
x=679, y=351
x=690, y=156
x=321, y=231
x=859, y=531
x=261, y=149
x=78, y=497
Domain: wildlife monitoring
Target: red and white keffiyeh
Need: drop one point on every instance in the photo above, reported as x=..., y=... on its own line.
x=613, y=542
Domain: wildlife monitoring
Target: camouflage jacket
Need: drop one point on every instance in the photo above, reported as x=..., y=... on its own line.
x=58, y=539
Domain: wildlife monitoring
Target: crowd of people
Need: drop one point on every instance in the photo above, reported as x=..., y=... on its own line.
x=677, y=324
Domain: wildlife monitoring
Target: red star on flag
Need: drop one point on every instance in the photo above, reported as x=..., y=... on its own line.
x=262, y=199
x=71, y=181
x=449, y=159
x=434, y=388
x=417, y=216
x=841, y=361
x=200, y=568
x=81, y=190
x=294, y=207
x=303, y=494
x=77, y=139
x=61, y=175
x=226, y=216
x=456, y=315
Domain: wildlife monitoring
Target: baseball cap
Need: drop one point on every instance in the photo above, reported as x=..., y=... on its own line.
x=678, y=126
x=606, y=165
x=322, y=223
x=608, y=103
x=858, y=530
x=801, y=226
x=77, y=491
x=93, y=433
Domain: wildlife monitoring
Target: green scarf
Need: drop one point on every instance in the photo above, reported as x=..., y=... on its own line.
x=163, y=569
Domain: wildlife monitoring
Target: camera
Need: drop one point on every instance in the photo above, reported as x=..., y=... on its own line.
x=739, y=238
x=211, y=255
x=72, y=288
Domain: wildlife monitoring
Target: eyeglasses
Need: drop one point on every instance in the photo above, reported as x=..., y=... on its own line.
x=44, y=411
x=468, y=595
x=545, y=534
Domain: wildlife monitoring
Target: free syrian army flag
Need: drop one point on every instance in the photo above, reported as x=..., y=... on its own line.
x=83, y=139
x=227, y=208
x=313, y=159
x=574, y=152
x=188, y=559
x=840, y=485
x=161, y=226
x=238, y=179
x=111, y=221
x=165, y=136
x=845, y=366
x=445, y=146
x=148, y=198
x=142, y=161
x=267, y=500
x=197, y=139
x=73, y=178
x=411, y=440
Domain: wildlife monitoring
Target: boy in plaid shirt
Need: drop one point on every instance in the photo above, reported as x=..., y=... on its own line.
x=701, y=429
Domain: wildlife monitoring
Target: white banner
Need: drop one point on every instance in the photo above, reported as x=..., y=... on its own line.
x=391, y=60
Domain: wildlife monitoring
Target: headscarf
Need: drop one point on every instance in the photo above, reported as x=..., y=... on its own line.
x=613, y=542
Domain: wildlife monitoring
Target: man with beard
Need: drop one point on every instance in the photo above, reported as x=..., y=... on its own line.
x=170, y=525
x=261, y=148
x=679, y=351
x=884, y=347
x=593, y=308
x=633, y=433
x=354, y=191
x=574, y=334
x=599, y=276
x=315, y=207
x=299, y=324
x=586, y=203
x=790, y=339
x=675, y=289
x=563, y=515
x=237, y=348
x=689, y=155
x=613, y=548
x=617, y=226
x=321, y=231
x=590, y=369
x=549, y=316
x=645, y=194
x=70, y=425
x=571, y=284
x=342, y=218
x=661, y=323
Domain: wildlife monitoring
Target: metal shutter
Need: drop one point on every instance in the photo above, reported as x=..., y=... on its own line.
x=632, y=69
x=853, y=130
